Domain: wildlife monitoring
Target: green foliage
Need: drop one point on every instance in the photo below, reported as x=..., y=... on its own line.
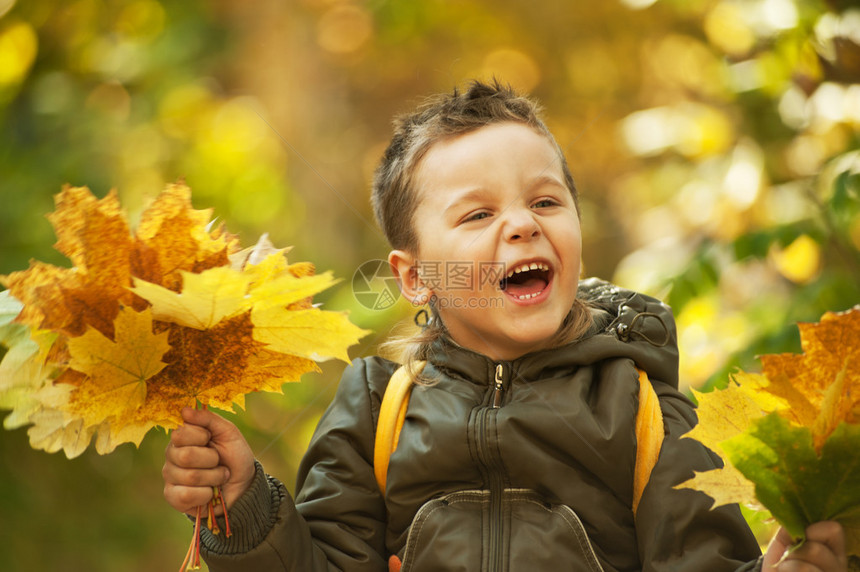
x=798, y=486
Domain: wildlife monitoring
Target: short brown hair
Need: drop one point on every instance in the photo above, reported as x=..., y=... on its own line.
x=394, y=198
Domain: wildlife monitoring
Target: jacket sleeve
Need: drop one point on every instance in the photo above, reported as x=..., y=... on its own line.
x=676, y=529
x=337, y=521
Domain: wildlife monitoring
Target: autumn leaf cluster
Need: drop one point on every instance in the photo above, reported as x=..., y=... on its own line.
x=147, y=322
x=791, y=434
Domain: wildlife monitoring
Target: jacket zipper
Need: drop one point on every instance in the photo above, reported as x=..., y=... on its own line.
x=494, y=471
x=499, y=386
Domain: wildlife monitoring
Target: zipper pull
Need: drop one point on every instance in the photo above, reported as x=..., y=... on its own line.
x=499, y=386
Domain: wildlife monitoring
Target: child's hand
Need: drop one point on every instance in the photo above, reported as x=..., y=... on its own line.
x=823, y=551
x=206, y=452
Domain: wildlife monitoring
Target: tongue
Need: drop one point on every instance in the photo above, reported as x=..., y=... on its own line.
x=527, y=286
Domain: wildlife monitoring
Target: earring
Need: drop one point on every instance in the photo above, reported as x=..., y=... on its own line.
x=422, y=318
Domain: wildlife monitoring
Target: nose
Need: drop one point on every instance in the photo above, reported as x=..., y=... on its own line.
x=520, y=225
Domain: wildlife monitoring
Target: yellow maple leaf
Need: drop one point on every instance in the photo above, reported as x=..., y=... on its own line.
x=726, y=413
x=266, y=371
x=217, y=367
x=286, y=289
x=54, y=431
x=310, y=333
x=206, y=298
x=115, y=370
x=725, y=485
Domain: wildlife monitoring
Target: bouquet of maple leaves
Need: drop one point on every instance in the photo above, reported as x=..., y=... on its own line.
x=791, y=434
x=175, y=314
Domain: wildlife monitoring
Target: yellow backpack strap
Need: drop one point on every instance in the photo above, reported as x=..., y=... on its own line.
x=649, y=436
x=392, y=413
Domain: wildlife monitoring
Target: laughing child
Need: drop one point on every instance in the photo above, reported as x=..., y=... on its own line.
x=519, y=446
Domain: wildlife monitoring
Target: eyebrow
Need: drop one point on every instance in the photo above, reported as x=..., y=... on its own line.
x=543, y=180
x=473, y=194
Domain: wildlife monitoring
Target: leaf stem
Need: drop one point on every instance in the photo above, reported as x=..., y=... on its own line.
x=192, y=557
x=211, y=521
x=218, y=498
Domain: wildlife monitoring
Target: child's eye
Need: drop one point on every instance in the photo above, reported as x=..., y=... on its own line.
x=476, y=216
x=543, y=203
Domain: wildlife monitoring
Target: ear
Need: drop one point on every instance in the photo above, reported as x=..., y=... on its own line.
x=404, y=266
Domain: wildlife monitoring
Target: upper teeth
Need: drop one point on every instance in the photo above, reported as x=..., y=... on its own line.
x=526, y=267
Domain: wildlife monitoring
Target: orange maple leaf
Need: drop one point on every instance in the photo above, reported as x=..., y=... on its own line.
x=95, y=236
x=174, y=237
x=822, y=385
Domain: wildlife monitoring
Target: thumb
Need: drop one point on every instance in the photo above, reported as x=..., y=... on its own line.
x=218, y=427
x=776, y=549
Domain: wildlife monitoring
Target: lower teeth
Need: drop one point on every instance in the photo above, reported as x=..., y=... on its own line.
x=527, y=296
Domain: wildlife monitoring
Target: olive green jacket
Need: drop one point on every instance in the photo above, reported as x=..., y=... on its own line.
x=544, y=481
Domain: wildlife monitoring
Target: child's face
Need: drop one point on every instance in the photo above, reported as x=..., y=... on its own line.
x=491, y=202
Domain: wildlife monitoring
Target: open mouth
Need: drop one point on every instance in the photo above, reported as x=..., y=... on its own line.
x=527, y=280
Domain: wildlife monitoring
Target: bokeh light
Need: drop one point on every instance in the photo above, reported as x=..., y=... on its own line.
x=714, y=144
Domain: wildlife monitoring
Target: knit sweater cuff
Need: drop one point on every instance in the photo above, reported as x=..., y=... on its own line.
x=251, y=517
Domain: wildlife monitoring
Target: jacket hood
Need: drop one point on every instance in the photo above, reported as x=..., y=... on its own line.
x=625, y=324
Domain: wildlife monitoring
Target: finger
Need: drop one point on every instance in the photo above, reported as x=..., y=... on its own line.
x=776, y=549
x=823, y=549
x=192, y=415
x=783, y=539
x=796, y=566
x=187, y=499
x=178, y=476
x=190, y=457
x=190, y=435
x=218, y=427
x=814, y=555
x=829, y=534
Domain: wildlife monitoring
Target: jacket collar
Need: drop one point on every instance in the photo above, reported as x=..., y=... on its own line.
x=626, y=325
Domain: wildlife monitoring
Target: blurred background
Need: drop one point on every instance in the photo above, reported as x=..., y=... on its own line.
x=714, y=143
